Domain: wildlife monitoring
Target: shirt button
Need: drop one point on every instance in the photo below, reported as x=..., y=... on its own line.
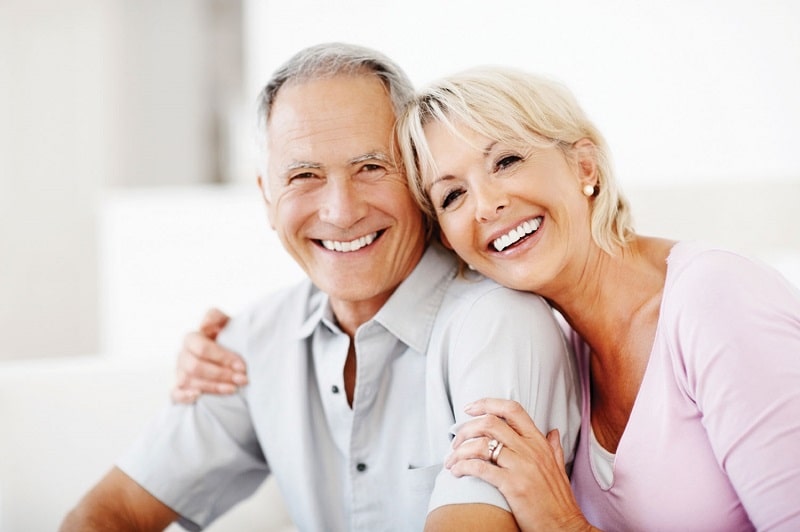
x=335, y=389
x=361, y=467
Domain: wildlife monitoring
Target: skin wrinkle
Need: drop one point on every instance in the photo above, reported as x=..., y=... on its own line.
x=342, y=198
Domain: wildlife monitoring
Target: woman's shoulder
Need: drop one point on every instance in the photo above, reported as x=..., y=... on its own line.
x=697, y=264
x=705, y=281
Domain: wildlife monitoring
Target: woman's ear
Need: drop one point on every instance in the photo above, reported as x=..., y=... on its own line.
x=586, y=158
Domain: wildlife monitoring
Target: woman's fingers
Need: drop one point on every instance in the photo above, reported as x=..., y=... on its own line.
x=486, y=425
x=203, y=348
x=213, y=322
x=206, y=367
x=554, y=439
x=529, y=469
x=511, y=411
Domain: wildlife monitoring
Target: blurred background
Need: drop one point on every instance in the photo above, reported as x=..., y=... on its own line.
x=128, y=203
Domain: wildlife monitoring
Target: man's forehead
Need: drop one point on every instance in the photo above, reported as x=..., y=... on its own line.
x=330, y=121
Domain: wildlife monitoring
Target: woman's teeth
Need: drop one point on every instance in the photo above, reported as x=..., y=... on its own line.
x=515, y=235
x=353, y=245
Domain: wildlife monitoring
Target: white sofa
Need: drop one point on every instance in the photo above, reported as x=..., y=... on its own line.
x=167, y=255
x=64, y=422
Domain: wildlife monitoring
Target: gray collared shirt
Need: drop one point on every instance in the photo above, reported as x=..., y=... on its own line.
x=439, y=342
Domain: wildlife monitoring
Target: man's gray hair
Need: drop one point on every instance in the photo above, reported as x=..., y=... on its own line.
x=325, y=61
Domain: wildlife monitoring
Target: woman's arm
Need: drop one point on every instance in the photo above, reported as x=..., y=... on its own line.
x=206, y=367
x=529, y=470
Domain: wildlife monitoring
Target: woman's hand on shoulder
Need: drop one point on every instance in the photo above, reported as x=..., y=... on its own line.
x=528, y=469
x=204, y=366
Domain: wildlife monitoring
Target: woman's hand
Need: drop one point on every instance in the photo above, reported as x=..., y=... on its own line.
x=529, y=469
x=204, y=366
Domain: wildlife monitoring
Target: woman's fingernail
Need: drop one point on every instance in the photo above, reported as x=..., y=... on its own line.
x=240, y=379
x=238, y=366
x=468, y=407
x=226, y=388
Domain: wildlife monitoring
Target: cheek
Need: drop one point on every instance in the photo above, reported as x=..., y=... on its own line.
x=456, y=236
x=287, y=214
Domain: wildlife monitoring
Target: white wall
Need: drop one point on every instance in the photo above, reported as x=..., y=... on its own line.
x=106, y=93
x=93, y=94
x=686, y=90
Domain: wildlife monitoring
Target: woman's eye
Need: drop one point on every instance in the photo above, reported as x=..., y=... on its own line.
x=507, y=161
x=450, y=197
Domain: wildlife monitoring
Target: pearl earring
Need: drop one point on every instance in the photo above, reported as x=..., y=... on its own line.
x=588, y=190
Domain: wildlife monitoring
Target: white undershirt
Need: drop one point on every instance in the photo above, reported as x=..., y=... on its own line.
x=602, y=462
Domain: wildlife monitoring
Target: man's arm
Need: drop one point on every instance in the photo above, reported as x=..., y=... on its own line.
x=118, y=503
x=470, y=517
x=509, y=345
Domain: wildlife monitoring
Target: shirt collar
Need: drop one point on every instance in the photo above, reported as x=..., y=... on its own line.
x=410, y=311
x=318, y=308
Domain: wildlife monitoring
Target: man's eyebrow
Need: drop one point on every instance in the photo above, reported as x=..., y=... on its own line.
x=298, y=165
x=371, y=156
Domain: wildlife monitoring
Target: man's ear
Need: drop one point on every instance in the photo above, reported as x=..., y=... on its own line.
x=586, y=158
x=267, y=202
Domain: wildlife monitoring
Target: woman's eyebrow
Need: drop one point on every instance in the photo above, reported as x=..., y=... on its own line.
x=489, y=147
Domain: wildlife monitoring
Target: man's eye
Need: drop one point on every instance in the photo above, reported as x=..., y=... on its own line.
x=507, y=161
x=450, y=197
x=373, y=169
x=304, y=175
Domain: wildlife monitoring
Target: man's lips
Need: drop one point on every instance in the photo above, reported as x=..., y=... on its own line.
x=350, y=245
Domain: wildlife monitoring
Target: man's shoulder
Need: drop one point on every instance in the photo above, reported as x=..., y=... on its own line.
x=276, y=317
x=478, y=293
x=289, y=303
x=478, y=308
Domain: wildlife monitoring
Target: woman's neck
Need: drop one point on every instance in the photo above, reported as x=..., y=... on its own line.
x=615, y=310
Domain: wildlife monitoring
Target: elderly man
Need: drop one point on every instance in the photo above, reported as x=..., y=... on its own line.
x=358, y=374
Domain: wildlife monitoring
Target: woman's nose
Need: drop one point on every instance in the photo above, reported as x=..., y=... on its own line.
x=490, y=201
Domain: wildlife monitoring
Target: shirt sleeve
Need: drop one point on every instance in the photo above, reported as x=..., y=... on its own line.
x=508, y=345
x=200, y=459
x=739, y=334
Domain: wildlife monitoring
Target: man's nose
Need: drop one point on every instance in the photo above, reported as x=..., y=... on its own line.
x=343, y=203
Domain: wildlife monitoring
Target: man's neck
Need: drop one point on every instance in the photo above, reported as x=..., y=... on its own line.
x=350, y=315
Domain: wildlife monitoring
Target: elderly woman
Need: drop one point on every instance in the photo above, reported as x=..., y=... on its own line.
x=689, y=355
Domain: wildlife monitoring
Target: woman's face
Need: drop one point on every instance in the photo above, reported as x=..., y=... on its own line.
x=516, y=215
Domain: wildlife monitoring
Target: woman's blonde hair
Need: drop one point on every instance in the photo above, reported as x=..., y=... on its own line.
x=521, y=110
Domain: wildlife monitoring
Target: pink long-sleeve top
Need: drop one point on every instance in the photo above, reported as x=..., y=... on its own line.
x=713, y=441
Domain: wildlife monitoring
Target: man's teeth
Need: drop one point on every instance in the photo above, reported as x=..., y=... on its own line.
x=515, y=235
x=353, y=245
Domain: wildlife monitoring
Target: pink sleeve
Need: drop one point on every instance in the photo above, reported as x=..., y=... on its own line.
x=738, y=334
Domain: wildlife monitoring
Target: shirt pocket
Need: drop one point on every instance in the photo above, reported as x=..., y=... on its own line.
x=411, y=500
x=422, y=478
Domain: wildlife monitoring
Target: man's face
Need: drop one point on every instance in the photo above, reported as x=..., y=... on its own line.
x=340, y=206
